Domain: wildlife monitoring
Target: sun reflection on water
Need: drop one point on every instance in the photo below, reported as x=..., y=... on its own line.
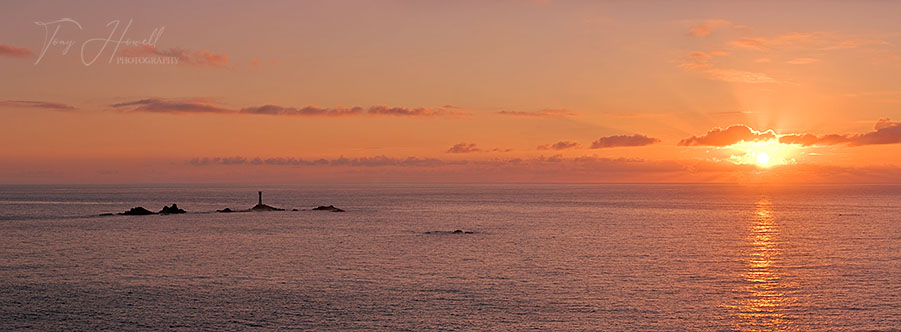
x=763, y=299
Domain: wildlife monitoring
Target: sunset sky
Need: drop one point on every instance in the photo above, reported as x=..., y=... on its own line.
x=450, y=91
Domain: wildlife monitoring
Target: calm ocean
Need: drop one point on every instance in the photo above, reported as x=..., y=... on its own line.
x=541, y=257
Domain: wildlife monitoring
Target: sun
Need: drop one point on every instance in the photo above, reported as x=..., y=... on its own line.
x=765, y=154
x=763, y=159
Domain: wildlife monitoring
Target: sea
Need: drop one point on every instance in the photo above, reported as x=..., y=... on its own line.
x=527, y=257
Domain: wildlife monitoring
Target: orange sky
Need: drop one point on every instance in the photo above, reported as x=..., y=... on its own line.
x=463, y=91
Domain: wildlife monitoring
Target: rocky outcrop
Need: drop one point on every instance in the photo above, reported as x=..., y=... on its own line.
x=171, y=209
x=330, y=208
x=264, y=208
x=226, y=210
x=260, y=207
x=137, y=211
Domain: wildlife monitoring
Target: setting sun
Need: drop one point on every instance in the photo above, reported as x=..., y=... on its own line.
x=763, y=159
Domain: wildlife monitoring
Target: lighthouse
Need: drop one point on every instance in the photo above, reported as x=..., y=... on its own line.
x=261, y=198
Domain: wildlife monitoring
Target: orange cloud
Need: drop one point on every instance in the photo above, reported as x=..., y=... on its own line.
x=303, y=111
x=817, y=41
x=707, y=27
x=464, y=148
x=403, y=111
x=545, y=113
x=702, y=63
x=561, y=145
x=36, y=104
x=184, y=56
x=623, y=140
x=155, y=105
x=376, y=161
x=885, y=131
x=159, y=105
x=731, y=135
x=802, y=61
x=15, y=52
x=348, y=111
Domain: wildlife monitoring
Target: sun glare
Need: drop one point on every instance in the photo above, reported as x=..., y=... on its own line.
x=763, y=154
x=763, y=159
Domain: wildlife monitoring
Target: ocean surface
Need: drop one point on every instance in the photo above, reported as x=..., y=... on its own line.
x=574, y=257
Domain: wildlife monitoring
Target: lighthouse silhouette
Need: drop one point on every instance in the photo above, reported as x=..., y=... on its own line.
x=261, y=198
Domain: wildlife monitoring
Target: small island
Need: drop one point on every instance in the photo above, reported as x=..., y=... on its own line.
x=141, y=211
x=260, y=207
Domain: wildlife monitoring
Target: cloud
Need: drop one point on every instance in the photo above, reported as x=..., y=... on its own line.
x=303, y=111
x=403, y=111
x=707, y=27
x=885, y=131
x=464, y=148
x=825, y=41
x=802, y=61
x=702, y=63
x=184, y=56
x=375, y=161
x=731, y=135
x=811, y=139
x=738, y=76
x=160, y=105
x=561, y=145
x=36, y=104
x=757, y=44
x=15, y=52
x=623, y=140
x=348, y=111
x=156, y=105
x=545, y=113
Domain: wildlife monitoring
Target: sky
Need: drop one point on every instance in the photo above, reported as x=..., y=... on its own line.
x=450, y=91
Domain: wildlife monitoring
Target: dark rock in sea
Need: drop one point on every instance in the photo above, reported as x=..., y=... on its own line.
x=331, y=208
x=107, y=214
x=264, y=208
x=137, y=211
x=260, y=207
x=458, y=232
x=294, y=210
x=171, y=209
x=225, y=210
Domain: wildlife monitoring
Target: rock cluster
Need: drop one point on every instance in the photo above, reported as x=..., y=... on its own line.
x=137, y=211
x=171, y=209
x=331, y=208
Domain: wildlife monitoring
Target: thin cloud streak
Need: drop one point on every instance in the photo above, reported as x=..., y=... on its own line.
x=36, y=104
x=155, y=105
x=15, y=52
x=464, y=148
x=175, y=106
x=545, y=113
x=561, y=145
x=623, y=141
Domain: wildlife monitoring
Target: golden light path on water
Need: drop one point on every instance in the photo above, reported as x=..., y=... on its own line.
x=765, y=297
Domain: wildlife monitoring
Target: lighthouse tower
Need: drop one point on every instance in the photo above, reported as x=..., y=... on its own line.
x=261, y=198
